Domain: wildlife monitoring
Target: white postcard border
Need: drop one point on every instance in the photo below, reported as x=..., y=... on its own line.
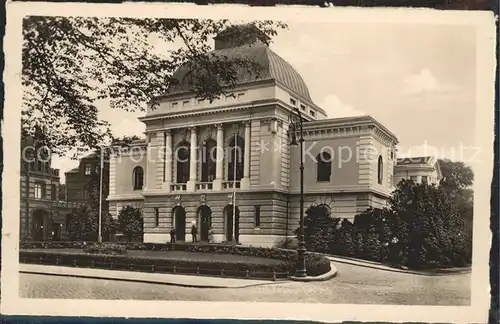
x=11, y=304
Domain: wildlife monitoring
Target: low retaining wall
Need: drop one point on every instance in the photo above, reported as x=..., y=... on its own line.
x=231, y=269
x=316, y=264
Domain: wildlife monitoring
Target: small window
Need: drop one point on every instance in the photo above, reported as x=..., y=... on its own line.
x=185, y=103
x=257, y=216
x=201, y=101
x=413, y=178
x=424, y=179
x=39, y=190
x=293, y=102
x=88, y=169
x=157, y=216
x=302, y=107
x=175, y=104
x=313, y=113
x=241, y=95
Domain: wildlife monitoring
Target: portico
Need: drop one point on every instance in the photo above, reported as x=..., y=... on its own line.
x=196, y=172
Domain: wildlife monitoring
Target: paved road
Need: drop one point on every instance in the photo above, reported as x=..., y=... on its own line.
x=354, y=285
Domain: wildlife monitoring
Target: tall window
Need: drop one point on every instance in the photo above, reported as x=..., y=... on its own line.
x=236, y=158
x=88, y=169
x=182, y=158
x=138, y=175
x=157, y=216
x=324, y=167
x=424, y=179
x=53, y=192
x=380, y=169
x=39, y=190
x=208, y=160
x=257, y=216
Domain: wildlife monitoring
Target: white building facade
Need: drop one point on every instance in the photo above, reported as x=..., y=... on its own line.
x=227, y=164
x=424, y=169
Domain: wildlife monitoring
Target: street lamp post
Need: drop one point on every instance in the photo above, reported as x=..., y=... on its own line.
x=100, y=194
x=296, y=127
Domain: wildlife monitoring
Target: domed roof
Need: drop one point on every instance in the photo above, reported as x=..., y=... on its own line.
x=272, y=67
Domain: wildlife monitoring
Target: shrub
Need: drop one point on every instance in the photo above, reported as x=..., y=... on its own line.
x=112, y=249
x=84, y=225
x=130, y=222
x=317, y=264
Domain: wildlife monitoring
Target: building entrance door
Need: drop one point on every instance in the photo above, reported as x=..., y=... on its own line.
x=38, y=225
x=56, y=231
x=205, y=221
x=180, y=223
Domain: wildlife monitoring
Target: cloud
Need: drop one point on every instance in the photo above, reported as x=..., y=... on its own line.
x=128, y=126
x=335, y=108
x=425, y=82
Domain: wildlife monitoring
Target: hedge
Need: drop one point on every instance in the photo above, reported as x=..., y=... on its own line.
x=316, y=264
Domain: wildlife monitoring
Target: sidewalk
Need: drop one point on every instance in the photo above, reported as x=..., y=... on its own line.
x=157, y=278
x=379, y=266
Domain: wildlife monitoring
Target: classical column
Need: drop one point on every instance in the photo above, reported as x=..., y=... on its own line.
x=168, y=161
x=191, y=185
x=245, y=181
x=220, y=159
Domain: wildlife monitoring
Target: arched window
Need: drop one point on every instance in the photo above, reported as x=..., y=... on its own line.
x=324, y=166
x=236, y=158
x=182, y=158
x=208, y=160
x=380, y=169
x=138, y=175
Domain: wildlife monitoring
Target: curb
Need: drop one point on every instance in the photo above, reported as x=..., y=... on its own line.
x=373, y=265
x=166, y=283
x=324, y=277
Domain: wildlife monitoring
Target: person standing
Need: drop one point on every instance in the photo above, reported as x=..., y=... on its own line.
x=194, y=232
x=210, y=235
x=172, y=235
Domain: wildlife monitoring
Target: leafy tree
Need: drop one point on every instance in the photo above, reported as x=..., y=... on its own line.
x=456, y=175
x=130, y=222
x=427, y=226
x=84, y=225
x=70, y=63
x=457, y=181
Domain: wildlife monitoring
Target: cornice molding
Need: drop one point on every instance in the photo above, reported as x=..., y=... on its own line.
x=124, y=197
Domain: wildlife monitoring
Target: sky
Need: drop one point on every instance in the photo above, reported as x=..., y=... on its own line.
x=418, y=80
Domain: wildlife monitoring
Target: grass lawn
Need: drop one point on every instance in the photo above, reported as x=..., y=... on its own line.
x=181, y=255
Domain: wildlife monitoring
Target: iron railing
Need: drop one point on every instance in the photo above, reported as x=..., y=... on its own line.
x=152, y=268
